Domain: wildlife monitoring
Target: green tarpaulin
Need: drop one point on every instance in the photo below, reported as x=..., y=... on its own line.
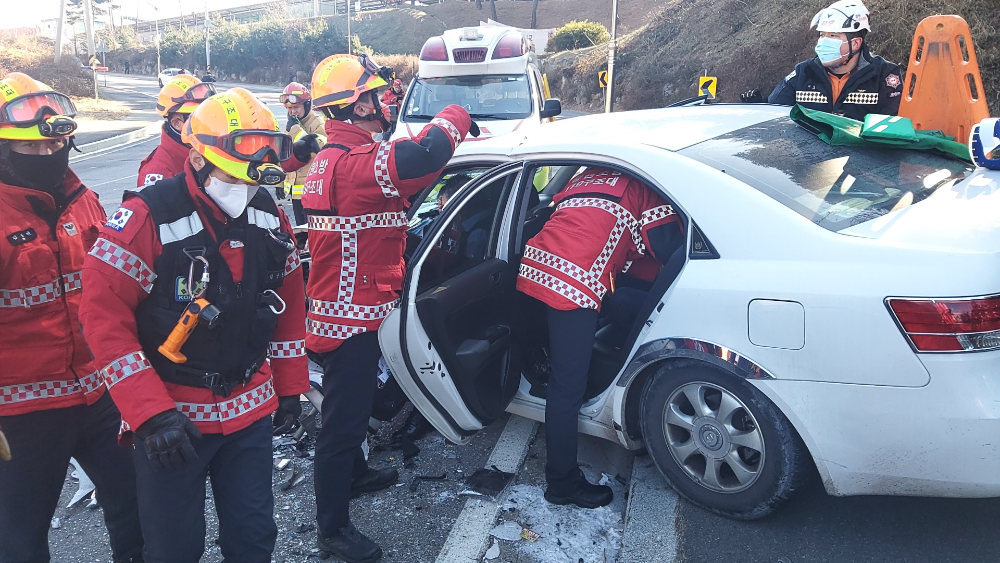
x=876, y=131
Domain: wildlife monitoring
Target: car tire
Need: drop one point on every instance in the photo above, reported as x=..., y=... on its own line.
x=734, y=454
x=160, y=82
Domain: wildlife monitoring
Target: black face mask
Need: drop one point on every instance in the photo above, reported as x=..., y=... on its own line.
x=38, y=172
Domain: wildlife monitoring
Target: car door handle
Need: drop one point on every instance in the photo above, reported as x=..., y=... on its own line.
x=495, y=278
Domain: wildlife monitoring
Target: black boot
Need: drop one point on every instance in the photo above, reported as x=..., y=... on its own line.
x=415, y=427
x=580, y=492
x=374, y=480
x=351, y=545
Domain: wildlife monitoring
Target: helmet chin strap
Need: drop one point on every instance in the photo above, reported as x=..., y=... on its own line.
x=850, y=55
x=377, y=114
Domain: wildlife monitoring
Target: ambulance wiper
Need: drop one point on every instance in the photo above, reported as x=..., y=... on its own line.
x=490, y=116
x=419, y=116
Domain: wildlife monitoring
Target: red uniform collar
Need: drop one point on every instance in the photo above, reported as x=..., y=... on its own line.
x=347, y=134
x=71, y=184
x=176, y=150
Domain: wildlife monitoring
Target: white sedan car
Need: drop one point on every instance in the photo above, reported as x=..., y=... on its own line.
x=168, y=74
x=837, y=309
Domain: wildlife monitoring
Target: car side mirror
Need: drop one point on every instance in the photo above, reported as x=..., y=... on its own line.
x=552, y=108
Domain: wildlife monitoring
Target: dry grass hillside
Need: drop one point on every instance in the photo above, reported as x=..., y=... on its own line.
x=751, y=44
x=33, y=56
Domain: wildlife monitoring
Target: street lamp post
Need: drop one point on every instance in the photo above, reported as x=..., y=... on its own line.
x=348, y=26
x=609, y=102
x=208, y=34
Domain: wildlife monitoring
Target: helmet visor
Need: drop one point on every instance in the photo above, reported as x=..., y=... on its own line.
x=32, y=108
x=251, y=145
x=291, y=99
x=197, y=93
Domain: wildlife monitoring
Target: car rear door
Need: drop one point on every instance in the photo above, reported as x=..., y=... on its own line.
x=449, y=343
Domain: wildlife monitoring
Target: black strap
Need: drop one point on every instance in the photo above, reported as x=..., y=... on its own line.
x=337, y=146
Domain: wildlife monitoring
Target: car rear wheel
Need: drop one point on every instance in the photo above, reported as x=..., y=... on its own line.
x=720, y=442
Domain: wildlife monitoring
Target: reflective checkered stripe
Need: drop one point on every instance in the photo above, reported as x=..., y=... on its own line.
x=228, y=410
x=358, y=222
x=382, y=171
x=449, y=128
x=124, y=261
x=862, y=98
x=558, y=286
x=10, y=394
x=810, y=97
x=655, y=214
x=351, y=311
x=348, y=265
x=124, y=367
x=331, y=330
x=587, y=278
x=287, y=349
x=40, y=294
x=623, y=215
x=293, y=262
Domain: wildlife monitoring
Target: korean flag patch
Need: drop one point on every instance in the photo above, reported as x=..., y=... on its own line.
x=118, y=220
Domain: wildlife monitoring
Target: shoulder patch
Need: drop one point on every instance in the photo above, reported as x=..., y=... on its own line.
x=151, y=178
x=791, y=75
x=893, y=81
x=119, y=219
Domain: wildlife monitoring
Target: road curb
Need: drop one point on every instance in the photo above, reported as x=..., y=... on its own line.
x=148, y=130
x=650, y=534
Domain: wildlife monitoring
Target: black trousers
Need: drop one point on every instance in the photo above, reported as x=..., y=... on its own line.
x=41, y=444
x=172, y=503
x=571, y=343
x=350, y=376
x=297, y=211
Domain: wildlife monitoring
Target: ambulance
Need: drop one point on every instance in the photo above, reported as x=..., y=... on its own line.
x=488, y=70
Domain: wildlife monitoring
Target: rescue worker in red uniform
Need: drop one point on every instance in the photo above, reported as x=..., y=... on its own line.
x=355, y=197
x=209, y=242
x=602, y=222
x=53, y=404
x=302, y=122
x=176, y=101
x=394, y=94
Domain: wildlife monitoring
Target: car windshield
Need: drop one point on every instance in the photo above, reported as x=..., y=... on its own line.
x=833, y=186
x=494, y=96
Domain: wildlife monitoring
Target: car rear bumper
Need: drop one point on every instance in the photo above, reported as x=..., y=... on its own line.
x=939, y=440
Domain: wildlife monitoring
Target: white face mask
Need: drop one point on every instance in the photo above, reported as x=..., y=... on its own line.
x=231, y=198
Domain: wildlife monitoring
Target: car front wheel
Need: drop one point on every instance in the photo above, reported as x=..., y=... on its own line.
x=720, y=442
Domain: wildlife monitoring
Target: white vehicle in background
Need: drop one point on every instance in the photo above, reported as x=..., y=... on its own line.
x=490, y=71
x=168, y=74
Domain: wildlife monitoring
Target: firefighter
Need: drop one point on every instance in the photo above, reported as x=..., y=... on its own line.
x=394, y=94
x=355, y=197
x=302, y=122
x=196, y=311
x=844, y=78
x=52, y=400
x=602, y=222
x=176, y=101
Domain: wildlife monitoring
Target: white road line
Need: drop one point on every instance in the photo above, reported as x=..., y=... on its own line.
x=113, y=181
x=467, y=541
x=650, y=534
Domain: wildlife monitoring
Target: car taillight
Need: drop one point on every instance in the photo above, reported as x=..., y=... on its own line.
x=510, y=45
x=434, y=50
x=949, y=325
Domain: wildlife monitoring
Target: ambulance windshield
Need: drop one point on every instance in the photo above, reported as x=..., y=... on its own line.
x=494, y=96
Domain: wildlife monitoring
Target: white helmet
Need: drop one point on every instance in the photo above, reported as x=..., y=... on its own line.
x=844, y=16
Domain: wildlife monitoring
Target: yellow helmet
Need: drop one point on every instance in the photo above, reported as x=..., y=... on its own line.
x=182, y=95
x=238, y=134
x=31, y=111
x=339, y=80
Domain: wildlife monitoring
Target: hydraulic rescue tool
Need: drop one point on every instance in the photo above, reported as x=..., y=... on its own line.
x=199, y=310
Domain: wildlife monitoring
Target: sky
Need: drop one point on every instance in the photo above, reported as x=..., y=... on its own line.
x=29, y=14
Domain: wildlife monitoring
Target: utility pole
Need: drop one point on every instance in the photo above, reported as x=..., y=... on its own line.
x=315, y=8
x=88, y=21
x=59, y=29
x=208, y=34
x=609, y=102
x=156, y=38
x=349, y=41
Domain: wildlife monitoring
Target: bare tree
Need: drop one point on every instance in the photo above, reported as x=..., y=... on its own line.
x=534, y=14
x=493, y=6
x=479, y=4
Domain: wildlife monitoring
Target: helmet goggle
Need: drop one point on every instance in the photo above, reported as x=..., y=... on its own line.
x=251, y=145
x=32, y=109
x=197, y=94
x=383, y=72
x=291, y=99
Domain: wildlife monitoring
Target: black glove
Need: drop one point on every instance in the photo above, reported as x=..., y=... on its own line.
x=279, y=192
x=306, y=147
x=752, y=97
x=288, y=413
x=167, y=438
x=474, y=129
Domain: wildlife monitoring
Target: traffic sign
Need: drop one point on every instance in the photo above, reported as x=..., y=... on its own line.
x=707, y=86
x=602, y=78
x=102, y=47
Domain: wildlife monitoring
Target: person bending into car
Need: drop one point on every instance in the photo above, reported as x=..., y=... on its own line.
x=844, y=78
x=355, y=196
x=602, y=222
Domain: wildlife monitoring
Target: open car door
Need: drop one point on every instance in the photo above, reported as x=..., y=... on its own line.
x=449, y=343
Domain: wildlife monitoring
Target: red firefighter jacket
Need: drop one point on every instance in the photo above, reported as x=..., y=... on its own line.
x=389, y=97
x=118, y=276
x=355, y=199
x=603, y=221
x=170, y=157
x=46, y=363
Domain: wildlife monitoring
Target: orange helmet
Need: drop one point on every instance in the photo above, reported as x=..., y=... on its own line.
x=182, y=95
x=339, y=80
x=31, y=111
x=238, y=134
